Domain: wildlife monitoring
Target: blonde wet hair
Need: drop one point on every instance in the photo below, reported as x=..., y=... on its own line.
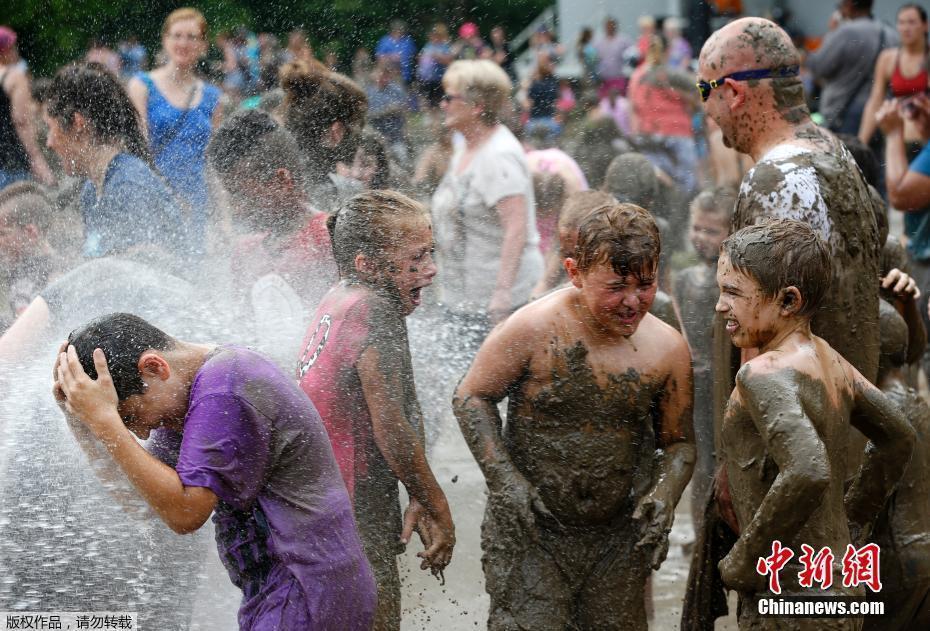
x=481, y=82
x=370, y=223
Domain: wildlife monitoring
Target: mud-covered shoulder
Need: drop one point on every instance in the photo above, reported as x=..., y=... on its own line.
x=538, y=316
x=761, y=377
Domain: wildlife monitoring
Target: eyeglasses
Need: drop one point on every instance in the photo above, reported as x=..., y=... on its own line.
x=704, y=87
x=448, y=98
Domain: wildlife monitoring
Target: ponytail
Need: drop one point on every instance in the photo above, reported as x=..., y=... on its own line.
x=365, y=225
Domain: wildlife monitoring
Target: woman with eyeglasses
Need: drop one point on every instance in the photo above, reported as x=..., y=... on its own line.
x=179, y=112
x=483, y=209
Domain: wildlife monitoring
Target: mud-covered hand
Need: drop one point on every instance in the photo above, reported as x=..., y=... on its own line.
x=901, y=285
x=437, y=532
x=519, y=499
x=93, y=402
x=740, y=573
x=654, y=516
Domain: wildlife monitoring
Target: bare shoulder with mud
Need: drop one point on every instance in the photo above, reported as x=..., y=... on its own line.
x=790, y=416
x=581, y=425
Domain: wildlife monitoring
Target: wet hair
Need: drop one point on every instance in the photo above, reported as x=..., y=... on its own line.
x=367, y=224
x=185, y=13
x=253, y=140
x=579, y=205
x=780, y=253
x=718, y=201
x=481, y=82
x=623, y=235
x=631, y=178
x=549, y=191
x=865, y=158
x=314, y=100
x=39, y=89
x=24, y=203
x=90, y=89
x=122, y=337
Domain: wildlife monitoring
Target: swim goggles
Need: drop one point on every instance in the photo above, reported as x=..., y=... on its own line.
x=704, y=87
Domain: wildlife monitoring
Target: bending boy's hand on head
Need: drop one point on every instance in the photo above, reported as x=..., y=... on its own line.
x=57, y=391
x=93, y=402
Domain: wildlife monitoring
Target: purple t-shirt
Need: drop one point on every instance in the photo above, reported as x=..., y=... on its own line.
x=284, y=524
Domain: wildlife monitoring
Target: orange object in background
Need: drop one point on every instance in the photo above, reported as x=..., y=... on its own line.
x=727, y=7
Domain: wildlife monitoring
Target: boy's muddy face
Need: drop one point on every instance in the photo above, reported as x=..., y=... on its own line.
x=752, y=317
x=617, y=303
x=707, y=233
x=410, y=266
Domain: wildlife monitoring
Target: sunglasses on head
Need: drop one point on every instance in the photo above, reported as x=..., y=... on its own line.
x=704, y=87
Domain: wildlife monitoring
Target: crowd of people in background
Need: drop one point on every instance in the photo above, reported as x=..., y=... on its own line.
x=228, y=160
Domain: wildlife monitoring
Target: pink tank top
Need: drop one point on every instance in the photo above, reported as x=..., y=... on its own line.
x=327, y=373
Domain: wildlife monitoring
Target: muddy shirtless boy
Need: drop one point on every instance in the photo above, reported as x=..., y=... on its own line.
x=784, y=434
x=597, y=447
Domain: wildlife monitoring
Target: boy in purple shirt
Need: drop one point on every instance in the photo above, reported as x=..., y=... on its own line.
x=252, y=449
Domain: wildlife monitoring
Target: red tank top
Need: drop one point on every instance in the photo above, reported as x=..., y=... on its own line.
x=327, y=373
x=903, y=87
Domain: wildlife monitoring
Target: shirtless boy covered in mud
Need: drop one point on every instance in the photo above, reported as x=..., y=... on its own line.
x=597, y=448
x=784, y=435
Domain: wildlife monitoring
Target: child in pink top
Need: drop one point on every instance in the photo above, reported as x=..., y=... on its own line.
x=355, y=366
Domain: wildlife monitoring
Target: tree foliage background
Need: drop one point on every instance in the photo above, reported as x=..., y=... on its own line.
x=54, y=32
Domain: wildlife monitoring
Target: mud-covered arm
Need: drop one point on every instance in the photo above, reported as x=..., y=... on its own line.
x=792, y=441
x=676, y=455
x=887, y=453
x=382, y=372
x=902, y=291
x=499, y=365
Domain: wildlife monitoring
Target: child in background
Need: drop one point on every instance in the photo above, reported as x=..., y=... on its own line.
x=695, y=291
x=356, y=368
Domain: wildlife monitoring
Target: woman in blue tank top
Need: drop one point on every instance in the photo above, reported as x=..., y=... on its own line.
x=180, y=112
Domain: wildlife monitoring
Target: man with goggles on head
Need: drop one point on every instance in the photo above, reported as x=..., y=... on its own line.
x=704, y=87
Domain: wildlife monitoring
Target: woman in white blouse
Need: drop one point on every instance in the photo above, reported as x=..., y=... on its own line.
x=483, y=209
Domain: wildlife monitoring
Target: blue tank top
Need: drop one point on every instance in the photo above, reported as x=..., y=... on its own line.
x=178, y=139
